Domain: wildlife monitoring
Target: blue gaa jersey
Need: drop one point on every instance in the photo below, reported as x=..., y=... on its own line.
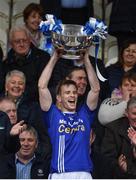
x=70, y=137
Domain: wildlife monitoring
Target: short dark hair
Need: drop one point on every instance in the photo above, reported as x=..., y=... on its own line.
x=31, y=130
x=69, y=75
x=130, y=75
x=63, y=83
x=30, y=8
x=125, y=45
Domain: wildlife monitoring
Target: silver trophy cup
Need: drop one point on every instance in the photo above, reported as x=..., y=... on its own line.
x=72, y=39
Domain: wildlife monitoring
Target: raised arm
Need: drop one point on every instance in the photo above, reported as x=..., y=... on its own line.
x=92, y=98
x=44, y=93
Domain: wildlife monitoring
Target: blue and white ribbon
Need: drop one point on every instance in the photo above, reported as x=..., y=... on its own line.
x=98, y=30
x=51, y=24
x=95, y=28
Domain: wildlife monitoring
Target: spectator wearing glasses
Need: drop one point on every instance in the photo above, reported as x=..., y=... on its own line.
x=24, y=56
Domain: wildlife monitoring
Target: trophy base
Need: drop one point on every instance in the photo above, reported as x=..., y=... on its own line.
x=72, y=57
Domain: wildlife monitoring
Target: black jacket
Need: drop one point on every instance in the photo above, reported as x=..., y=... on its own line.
x=31, y=65
x=4, y=131
x=40, y=167
x=31, y=113
x=7, y=142
x=115, y=143
x=1, y=78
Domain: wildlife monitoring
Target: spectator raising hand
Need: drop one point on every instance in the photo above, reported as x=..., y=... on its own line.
x=132, y=135
x=18, y=128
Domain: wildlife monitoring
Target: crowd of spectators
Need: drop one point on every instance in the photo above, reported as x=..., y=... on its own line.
x=57, y=119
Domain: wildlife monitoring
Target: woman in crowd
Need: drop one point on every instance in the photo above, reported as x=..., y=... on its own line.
x=32, y=15
x=126, y=62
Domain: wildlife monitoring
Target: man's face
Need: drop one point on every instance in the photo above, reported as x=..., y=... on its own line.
x=10, y=109
x=28, y=144
x=68, y=98
x=131, y=114
x=20, y=43
x=15, y=86
x=80, y=78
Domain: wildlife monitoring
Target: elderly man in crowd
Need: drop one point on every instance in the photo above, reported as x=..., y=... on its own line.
x=25, y=57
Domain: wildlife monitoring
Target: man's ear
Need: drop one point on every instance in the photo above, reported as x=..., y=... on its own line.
x=58, y=98
x=36, y=146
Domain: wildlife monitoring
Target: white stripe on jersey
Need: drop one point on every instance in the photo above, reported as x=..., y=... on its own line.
x=61, y=151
